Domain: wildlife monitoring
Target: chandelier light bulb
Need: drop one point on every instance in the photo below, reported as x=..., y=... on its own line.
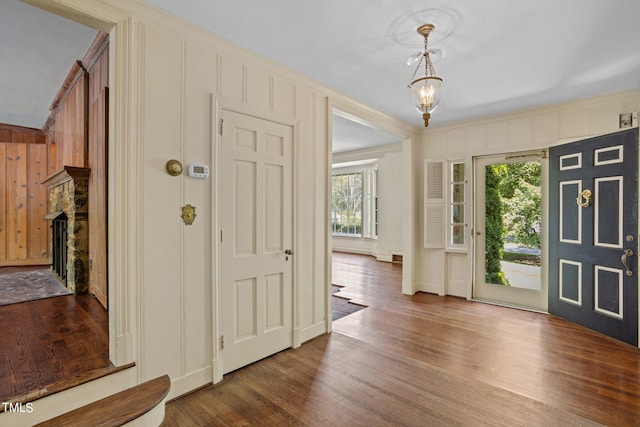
x=426, y=94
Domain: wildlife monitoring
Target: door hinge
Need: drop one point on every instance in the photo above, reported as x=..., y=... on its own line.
x=220, y=236
x=222, y=342
x=221, y=126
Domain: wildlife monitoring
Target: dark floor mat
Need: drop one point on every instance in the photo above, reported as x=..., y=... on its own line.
x=30, y=285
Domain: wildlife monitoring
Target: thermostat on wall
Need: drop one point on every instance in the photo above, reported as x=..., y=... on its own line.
x=198, y=170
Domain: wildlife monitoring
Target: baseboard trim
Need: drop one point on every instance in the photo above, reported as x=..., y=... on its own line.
x=355, y=251
x=313, y=331
x=431, y=288
x=217, y=370
x=190, y=382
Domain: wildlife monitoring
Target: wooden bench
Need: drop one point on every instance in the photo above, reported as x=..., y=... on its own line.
x=117, y=409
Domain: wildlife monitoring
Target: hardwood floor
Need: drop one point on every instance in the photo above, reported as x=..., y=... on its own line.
x=427, y=360
x=50, y=345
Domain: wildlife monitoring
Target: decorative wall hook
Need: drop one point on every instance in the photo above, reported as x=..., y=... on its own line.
x=584, y=198
x=188, y=214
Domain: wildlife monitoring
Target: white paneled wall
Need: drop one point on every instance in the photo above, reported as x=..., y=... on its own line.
x=163, y=231
x=179, y=79
x=442, y=272
x=167, y=79
x=390, y=171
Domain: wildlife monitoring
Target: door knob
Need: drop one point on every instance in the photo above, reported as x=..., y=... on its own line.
x=287, y=253
x=627, y=253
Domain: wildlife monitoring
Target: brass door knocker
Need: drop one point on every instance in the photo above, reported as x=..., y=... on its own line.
x=584, y=198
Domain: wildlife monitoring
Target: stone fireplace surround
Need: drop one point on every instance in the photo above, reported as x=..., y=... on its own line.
x=68, y=193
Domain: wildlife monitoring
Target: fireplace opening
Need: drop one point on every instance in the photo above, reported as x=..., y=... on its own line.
x=69, y=214
x=59, y=246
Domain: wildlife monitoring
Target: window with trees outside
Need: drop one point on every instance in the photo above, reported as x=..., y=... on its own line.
x=354, y=203
x=457, y=204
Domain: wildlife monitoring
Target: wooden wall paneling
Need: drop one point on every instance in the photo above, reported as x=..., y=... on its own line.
x=52, y=159
x=5, y=134
x=17, y=201
x=38, y=227
x=98, y=95
x=21, y=134
x=3, y=202
x=86, y=99
x=97, y=200
x=24, y=236
x=69, y=127
x=59, y=137
x=79, y=124
x=62, y=117
x=22, y=137
x=69, y=117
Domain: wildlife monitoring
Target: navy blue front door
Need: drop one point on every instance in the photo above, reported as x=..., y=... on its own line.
x=593, y=233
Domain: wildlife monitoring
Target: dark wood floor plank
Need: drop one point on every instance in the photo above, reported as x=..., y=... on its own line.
x=58, y=343
x=427, y=360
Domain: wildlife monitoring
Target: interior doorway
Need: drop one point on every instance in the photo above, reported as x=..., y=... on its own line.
x=366, y=200
x=88, y=106
x=509, y=230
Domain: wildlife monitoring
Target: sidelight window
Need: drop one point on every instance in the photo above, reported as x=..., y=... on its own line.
x=457, y=204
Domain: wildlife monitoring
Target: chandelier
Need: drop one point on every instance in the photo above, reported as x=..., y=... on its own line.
x=425, y=90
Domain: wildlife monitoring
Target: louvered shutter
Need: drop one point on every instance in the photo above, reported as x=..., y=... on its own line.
x=434, y=204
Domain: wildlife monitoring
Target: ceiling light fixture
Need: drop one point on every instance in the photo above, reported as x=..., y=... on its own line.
x=425, y=90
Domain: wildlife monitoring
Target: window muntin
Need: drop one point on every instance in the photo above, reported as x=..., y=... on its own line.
x=457, y=204
x=354, y=202
x=346, y=204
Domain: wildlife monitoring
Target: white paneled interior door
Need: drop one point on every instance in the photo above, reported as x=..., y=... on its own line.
x=256, y=221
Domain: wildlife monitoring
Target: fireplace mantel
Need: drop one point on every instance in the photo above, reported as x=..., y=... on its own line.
x=68, y=194
x=67, y=173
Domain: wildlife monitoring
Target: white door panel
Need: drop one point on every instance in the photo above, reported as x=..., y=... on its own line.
x=256, y=222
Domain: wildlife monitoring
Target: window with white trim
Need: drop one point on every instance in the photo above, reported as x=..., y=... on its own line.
x=354, y=203
x=457, y=205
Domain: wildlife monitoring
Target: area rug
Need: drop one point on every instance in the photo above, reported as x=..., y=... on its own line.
x=341, y=306
x=31, y=285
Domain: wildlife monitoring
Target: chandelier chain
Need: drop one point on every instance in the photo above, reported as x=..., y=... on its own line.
x=428, y=65
x=429, y=70
x=415, y=72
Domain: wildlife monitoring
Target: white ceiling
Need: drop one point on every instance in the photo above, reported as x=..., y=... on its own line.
x=501, y=55
x=37, y=51
x=348, y=135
